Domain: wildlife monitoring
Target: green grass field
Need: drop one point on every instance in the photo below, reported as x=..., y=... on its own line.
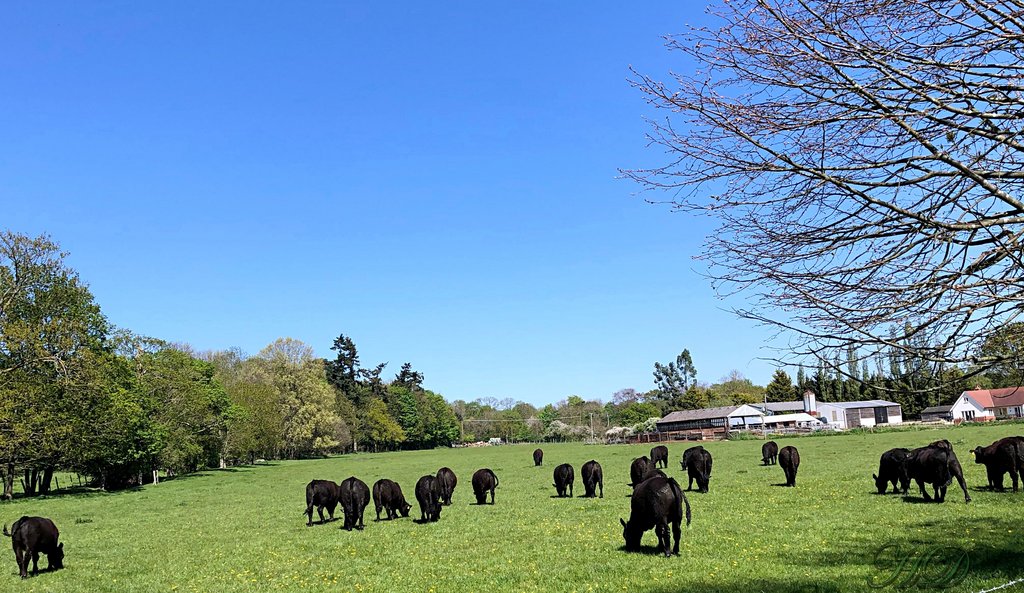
x=243, y=529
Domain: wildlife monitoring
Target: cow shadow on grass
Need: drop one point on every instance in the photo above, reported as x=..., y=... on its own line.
x=761, y=584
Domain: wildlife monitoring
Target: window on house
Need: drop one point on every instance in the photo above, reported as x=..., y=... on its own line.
x=969, y=415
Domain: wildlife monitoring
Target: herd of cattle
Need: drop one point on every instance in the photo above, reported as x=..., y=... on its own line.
x=657, y=502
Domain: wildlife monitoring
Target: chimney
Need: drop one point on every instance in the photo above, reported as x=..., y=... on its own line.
x=809, y=406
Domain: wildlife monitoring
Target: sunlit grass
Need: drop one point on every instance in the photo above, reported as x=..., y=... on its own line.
x=243, y=529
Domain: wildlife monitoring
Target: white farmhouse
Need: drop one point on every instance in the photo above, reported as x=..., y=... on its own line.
x=989, y=404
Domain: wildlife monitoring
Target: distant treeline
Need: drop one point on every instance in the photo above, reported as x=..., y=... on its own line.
x=78, y=395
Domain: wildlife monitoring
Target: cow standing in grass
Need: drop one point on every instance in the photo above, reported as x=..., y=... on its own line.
x=322, y=494
x=657, y=502
x=659, y=456
x=697, y=463
x=789, y=459
x=892, y=468
x=770, y=453
x=387, y=495
x=639, y=469
x=593, y=479
x=1002, y=456
x=484, y=481
x=538, y=457
x=31, y=536
x=446, y=480
x=564, y=477
x=428, y=494
x=354, y=497
x=937, y=465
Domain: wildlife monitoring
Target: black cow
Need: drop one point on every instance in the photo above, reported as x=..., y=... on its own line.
x=387, y=495
x=428, y=494
x=446, y=480
x=564, y=477
x=639, y=469
x=789, y=459
x=697, y=463
x=593, y=478
x=322, y=494
x=770, y=453
x=538, y=457
x=892, y=468
x=31, y=536
x=354, y=497
x=659, y=455
x=1002, y=456
x=937, y=465
x=484, y=481
x=656, y=503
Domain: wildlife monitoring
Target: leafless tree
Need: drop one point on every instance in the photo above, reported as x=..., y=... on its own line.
x=863, y=159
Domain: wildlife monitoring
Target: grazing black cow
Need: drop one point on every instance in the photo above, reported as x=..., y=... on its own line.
x=31, y=536
x=656, y=503
x=937, y=465
x=593, y=478
x=484, y=481
x=564, y=477
x=354, y=497
x=538, y=457
x=446, y=480
x=659, y=455
x=322, y=494
x=789, y=459
x=1002, y=456
x=428, y=494
x=892, y=468
x=770, y=453
x=387, y=495
x=697, y=463
x=639, y=469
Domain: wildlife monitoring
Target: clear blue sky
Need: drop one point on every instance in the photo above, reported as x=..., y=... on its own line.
x=435, y=180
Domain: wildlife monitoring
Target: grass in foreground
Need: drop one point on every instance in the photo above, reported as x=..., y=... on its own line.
x=243, y=529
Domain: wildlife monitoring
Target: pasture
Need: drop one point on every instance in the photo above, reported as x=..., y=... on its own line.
x=243, y=529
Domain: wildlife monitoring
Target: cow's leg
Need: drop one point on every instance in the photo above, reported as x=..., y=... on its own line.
x=677, y=532
x=35, y=563
x=361, y=524
x=570, y=489
x=663, y=537
x=320, y=512
x=600, y=485
x=924, y=493
x=22, y=557
x=1013, y=477
x=309, y=513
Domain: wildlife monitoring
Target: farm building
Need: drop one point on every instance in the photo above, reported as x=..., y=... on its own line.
x=989, y=404
x=709, y=423
x=861, y=413
x=933, y=413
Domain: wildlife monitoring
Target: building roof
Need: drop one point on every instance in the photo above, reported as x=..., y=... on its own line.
x=936, y=409
x=998, y=398
x=868, y=403
x=701, y=414
x=780, y=406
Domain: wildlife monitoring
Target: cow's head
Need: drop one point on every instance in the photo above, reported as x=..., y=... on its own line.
x=404, y=509
x=880, y=484
x=56, y=558
x=632, y=536
x=979, y=454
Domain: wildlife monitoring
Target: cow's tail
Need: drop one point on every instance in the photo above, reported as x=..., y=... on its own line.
x=495, y=476
x=7, y=533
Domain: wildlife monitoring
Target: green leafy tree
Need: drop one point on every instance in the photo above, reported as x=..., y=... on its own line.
x=780, y=389
x=1005, y=347
x=381, y=430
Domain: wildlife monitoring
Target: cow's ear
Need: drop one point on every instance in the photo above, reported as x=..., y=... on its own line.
x=874, y=476
x=621, y=521
x=60, y=546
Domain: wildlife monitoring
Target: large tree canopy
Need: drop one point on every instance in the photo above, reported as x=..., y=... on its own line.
x=864, y=161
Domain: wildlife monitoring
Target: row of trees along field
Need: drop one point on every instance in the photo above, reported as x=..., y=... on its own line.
x=79, y=395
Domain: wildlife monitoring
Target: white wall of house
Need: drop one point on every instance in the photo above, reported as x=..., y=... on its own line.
x=966, y=408
x=835, y=416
